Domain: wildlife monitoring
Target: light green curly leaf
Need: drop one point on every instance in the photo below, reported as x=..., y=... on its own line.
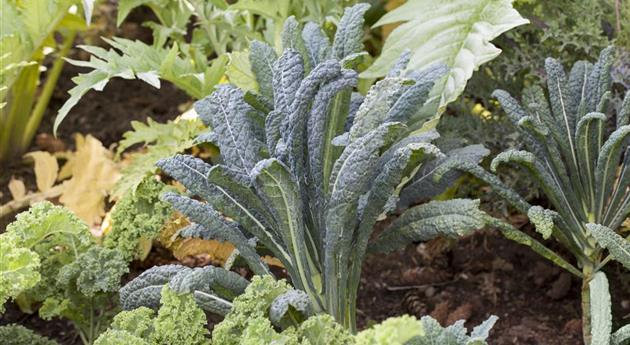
x=18, y=269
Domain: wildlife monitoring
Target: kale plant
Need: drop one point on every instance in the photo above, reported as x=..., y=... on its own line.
x=14, y=334
x=581, y=166
x=308, y=168
x=52, y=261
x=178, y=321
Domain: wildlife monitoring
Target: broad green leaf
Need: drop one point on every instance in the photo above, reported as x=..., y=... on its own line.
x=239, y=71
x=456, y=33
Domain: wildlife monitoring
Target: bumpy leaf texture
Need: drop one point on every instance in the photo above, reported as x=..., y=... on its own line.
x=307, y=168
x=582, y=167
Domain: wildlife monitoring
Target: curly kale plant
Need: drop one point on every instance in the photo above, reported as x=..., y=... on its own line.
x=137, y=218
x=254, y=320
x=52, y=259
x=308, y=168
x=178, y=321
x=14, y=334
x=582, y=168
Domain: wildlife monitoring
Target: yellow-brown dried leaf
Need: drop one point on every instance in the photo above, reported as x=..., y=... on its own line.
x=94, y=174
x=217, y=251
x=46, y=169
x=17, y=189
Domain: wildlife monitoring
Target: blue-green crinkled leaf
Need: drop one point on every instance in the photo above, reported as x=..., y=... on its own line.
x=223, y=229
x=588, y=142
x=621, y=336
x=316, y=44
x=456, y=217
x=227, y=181
x=226, y=113
x=601, y=315
x=398, y=69
x=288, y=72
x=213, y=288
x=189, y=171
x=275, y=185
x=145, y=290
x=291, y=38
x=424, y=186
x=408, y=105
x=350, y=177
x=599, y=80
x=542, y=220
x=262, y=58
x=382, y=195
x=349, y=36
x=607, y=164
x=294, y=131
x=292, y=300
x=618, y=246
x=316, y=126
x=221, y=194
x=562, y=107
x=375, y=107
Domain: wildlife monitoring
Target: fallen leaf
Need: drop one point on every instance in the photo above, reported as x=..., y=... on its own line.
x=94, y=174
x=218, y=251
x=17, y=189
x=272, y=261
x=46, y=169
x=66, y=170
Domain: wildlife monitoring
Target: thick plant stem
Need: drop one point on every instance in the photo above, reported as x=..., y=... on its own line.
x=587, y=272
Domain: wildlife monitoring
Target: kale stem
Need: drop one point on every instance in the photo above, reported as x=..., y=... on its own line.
x=587, y=272
x=91, y=338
